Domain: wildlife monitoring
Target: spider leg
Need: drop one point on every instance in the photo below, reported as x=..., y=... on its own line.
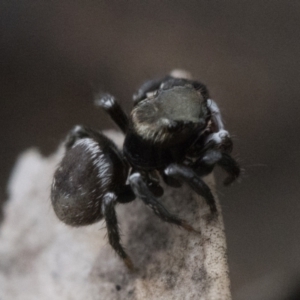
x=186, y=174
x=108, y=210
x=125, y=194
x=170, y=181
x=207, y=162
x=141, y=190
x=113, y=108
x=221, y=141
x=152, y=181
x=228, y=164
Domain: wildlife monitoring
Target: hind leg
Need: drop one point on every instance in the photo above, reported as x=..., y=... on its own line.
x=108, y=210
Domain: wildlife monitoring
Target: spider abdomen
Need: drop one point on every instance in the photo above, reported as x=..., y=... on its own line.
x=90, y=169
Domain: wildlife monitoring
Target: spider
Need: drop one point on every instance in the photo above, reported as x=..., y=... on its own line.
x=174, y=133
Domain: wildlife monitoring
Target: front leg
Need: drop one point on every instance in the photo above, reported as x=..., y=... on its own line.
x=205, y=165
x=228, y=164
x=142, y=191
x=207, y=162
x=186, y=174
x=113, y=108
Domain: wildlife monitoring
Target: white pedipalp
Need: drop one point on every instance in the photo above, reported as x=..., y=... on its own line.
x=221, y=134
x=215, y=114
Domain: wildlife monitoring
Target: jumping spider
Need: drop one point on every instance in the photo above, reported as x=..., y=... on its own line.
x=174, y=131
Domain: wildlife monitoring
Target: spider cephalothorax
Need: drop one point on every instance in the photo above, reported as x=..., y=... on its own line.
x=174, y=132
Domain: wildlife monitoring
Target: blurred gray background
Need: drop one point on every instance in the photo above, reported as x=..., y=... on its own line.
x=246, y=52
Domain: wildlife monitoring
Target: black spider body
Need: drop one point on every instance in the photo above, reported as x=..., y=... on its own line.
x=163, y=127
x=174, y=133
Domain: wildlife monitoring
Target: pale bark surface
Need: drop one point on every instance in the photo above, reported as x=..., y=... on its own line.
x=41, y=258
